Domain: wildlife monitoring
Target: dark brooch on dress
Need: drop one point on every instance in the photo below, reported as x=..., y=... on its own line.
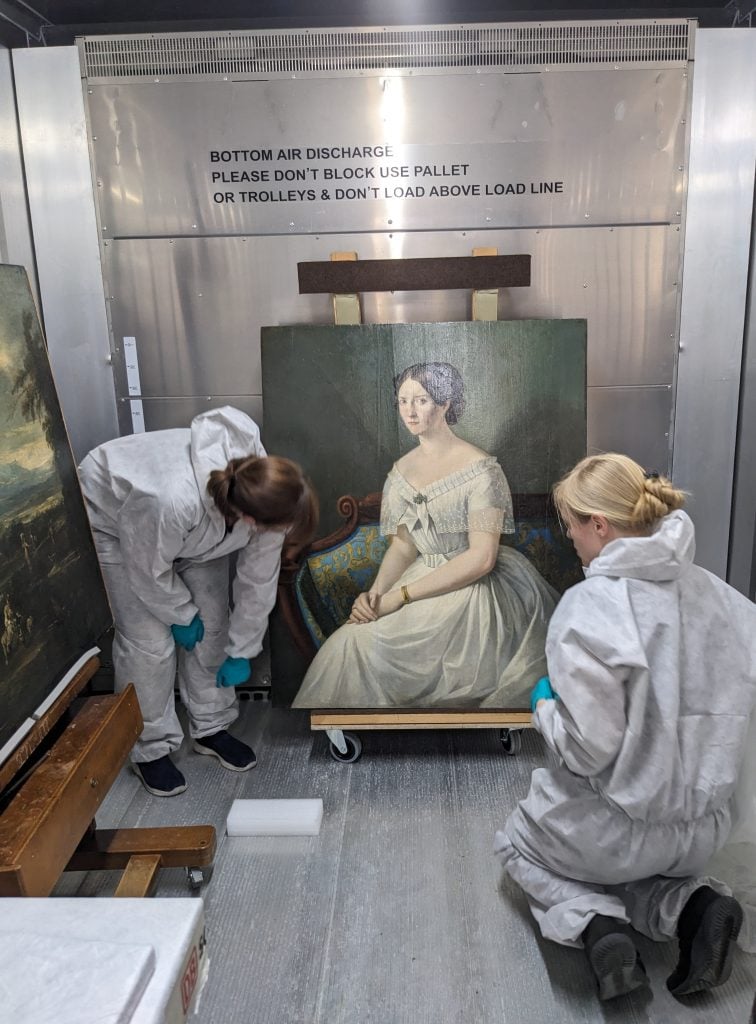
x=419, y=499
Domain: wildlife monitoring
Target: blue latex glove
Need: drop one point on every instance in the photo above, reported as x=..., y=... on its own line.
x=233, y=672
x=188, y=636
x=542, y=691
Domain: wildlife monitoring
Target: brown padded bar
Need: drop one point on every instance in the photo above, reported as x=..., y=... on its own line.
x=442, y=272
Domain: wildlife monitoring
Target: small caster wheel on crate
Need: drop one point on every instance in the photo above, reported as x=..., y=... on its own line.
x=511, y=741
x=195, y=877
x=352, y=752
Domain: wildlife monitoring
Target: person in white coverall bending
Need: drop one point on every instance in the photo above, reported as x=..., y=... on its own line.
x=167, y=508
x=652, y=681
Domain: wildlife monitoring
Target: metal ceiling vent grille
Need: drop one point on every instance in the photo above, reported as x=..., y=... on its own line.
x=308, y=51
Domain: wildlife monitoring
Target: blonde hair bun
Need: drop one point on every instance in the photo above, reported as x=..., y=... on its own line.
x=615, y=486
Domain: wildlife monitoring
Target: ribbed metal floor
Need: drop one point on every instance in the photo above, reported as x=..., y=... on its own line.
x=397, y=912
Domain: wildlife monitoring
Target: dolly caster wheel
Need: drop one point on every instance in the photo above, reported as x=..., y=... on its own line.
x=511, y=741
x=352, y=752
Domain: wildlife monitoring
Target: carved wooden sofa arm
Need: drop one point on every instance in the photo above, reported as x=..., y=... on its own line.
x=357, y=513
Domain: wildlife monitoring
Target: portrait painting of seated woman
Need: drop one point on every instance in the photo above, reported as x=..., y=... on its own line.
x=454, y=618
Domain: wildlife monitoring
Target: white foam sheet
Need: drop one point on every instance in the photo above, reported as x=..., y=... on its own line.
x=156, y=933
x=275, y=818
x=48, y=979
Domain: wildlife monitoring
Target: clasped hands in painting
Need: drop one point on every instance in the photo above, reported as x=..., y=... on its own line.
x=370, y=606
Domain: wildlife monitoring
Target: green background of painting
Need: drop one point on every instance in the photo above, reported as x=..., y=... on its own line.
x=329, y=401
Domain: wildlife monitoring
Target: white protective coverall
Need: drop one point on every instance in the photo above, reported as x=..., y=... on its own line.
x=163, y=548
x=654, y=661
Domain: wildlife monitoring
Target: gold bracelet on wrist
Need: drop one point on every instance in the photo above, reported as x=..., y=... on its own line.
x=405, y=596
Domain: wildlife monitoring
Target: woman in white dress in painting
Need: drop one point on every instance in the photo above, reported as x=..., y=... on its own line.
x=453, y=619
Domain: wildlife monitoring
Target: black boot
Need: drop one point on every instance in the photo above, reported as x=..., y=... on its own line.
x=611, y=952
x=707, y=930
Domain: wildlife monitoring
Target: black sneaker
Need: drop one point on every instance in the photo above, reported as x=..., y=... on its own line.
x=615, y=961
x=707, y=930
x=160, y=777
x=231, y=753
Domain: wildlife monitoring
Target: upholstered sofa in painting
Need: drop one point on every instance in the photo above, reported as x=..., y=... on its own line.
x=317, y=588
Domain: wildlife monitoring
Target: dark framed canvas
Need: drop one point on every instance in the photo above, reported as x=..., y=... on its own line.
x=53, y=606
x=330, y=404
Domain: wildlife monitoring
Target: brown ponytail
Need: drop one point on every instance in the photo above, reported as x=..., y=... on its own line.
x=272, y=490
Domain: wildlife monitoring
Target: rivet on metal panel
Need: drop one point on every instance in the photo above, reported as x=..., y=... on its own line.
x=194, y=225
x=390, y=222
x=99, y=184
x=677, y=213
x=587, y=215
x=89, y=91
x=677, y=228
x=488, y=218
x=170, y=241
x=681, y=168
x=682, y=121
x=585, y=285
x=94, y=138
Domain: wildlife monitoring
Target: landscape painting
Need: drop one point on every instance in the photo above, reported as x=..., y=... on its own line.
x=52, y=601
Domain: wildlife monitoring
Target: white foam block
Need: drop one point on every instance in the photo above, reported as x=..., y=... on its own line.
x=275, y=818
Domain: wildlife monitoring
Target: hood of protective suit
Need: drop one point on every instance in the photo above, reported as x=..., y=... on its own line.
x=665, y=555
x=217, y=436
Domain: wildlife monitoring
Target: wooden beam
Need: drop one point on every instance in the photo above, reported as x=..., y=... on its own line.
x=178, y=846
x=346, y=308
x=44, y=822
x=366, y=720
x=485, y=301
x=139, y=876
x=345, y=277
x=13, y=764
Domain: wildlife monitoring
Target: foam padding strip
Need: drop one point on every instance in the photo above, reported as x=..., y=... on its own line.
x=275, y=818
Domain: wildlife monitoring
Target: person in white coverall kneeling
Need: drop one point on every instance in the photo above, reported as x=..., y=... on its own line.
x=167, y=508
x=652, y=681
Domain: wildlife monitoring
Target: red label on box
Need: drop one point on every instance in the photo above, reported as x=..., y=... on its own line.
x=189, y=980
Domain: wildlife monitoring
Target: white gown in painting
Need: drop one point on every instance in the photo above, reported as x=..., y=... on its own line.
x=481, y=646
